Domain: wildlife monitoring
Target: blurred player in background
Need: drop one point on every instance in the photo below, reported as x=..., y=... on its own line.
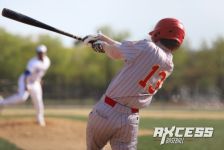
x=115, y=118
x=29, y=83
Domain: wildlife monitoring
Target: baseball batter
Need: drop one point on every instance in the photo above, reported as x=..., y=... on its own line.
x=115, y=118
x=29, y=83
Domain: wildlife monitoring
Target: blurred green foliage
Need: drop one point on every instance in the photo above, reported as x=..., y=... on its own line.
x=78, y=72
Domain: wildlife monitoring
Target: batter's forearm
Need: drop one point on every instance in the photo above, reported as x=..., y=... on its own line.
x=108, y=40
x=112, y=51
x=111, y=47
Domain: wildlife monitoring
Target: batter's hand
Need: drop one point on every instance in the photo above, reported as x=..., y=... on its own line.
x=98, y=46
x=89, y=39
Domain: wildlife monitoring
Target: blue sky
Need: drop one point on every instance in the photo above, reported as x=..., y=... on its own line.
x=203, y=19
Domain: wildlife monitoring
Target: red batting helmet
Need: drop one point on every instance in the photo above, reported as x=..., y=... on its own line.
x=168, y=28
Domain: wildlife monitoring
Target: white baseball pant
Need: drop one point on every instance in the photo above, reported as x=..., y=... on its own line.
x=35, y=91
x=117, y=124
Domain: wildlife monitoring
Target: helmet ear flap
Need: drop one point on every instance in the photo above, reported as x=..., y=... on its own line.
x=157, y=34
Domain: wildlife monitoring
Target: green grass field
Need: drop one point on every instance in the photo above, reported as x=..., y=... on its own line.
x=5, y=145
x=147, y=142
x=214, y=143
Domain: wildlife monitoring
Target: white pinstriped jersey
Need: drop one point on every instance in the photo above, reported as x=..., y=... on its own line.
x=146, y=67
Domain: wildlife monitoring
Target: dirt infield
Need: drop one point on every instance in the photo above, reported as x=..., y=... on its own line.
x=60, y=134
x=64, y=134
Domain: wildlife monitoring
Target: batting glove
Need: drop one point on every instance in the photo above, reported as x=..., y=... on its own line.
x=89, y=39
x=98, y=46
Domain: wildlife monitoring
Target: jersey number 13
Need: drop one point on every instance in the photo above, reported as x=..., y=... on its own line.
x=158, y=83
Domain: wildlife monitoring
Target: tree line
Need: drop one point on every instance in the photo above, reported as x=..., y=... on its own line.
x=78, y=72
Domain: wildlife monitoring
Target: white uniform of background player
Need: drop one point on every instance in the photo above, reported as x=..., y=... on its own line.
x=115, y=118
x=29, y=84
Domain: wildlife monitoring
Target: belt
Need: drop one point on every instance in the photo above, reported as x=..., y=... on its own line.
x=112, y=103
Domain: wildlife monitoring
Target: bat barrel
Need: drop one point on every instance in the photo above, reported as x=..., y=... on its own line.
x=30, y=21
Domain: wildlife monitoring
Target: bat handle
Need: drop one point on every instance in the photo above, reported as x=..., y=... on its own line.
x=79, y=38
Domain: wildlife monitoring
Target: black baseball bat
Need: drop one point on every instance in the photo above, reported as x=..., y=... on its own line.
x=33, y=22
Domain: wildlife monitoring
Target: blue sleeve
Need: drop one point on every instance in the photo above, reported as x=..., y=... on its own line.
x=27, y=73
